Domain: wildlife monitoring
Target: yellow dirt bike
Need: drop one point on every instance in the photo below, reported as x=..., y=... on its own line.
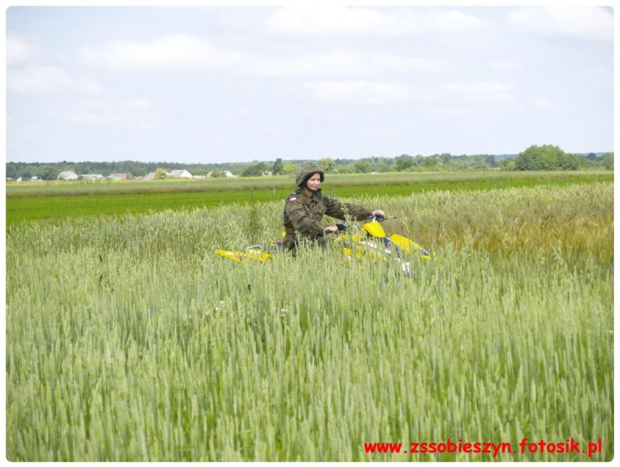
x=378, y=239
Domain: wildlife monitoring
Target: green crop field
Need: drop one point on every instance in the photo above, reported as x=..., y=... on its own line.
x=129, y=340
x=51, y=201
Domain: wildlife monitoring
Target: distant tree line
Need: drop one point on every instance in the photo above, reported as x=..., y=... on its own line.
x=552, y=158
x=50, y=171
x=534, y=158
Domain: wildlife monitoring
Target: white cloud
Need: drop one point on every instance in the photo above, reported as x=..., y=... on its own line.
x=214, y=139
x=461, y=95
x=449, y=110
x=169, y=51
x=480, y=92
x=507, y=65
x=546, y=105
x=341, y=62
x=340, y=20
x=271, y=71
x=464, y=100
x=17, y=50
x=47, y=79
x=132, y=113
x=274, y=131
x=358, y=92
x=583, y=22
x=31, y=72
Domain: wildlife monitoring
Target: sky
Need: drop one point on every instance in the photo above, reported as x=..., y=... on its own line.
x=213, y=84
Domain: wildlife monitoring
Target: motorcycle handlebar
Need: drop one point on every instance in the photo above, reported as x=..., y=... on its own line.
x=341, y=227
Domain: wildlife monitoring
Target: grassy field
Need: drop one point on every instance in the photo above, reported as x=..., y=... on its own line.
x=423, y=180
x=129, y=340
x=58, y=200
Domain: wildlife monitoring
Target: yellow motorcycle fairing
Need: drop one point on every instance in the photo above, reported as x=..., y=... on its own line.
x=357, y=246
x=251, y=254
x=373, y=243
x=374, y=229
x=408, y=245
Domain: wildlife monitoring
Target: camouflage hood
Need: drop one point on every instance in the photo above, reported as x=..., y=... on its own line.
x=305, y=171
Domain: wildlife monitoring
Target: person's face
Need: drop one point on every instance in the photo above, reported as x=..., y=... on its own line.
x=314, y=182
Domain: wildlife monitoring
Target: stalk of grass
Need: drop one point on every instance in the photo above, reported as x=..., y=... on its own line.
x=128, y=340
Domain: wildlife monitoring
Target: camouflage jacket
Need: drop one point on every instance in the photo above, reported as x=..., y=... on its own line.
x=303, y=213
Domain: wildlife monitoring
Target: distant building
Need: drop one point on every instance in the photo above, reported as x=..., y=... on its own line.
x=92, y=177
x=123, y=176
x=180, y=173
x=224, y=173
x=67, y=175
x=149, y=176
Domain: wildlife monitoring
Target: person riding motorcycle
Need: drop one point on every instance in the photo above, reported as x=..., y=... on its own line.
x=304, y=209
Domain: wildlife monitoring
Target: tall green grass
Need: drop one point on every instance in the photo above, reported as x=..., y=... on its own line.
x=417, y=180
x=129, y=340
x=55, y=201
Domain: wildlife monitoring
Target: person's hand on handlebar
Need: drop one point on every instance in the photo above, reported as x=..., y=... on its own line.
x=378, y=213
x=331, y=229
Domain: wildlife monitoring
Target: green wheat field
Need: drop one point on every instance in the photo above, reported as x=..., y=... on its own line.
x=129, y=340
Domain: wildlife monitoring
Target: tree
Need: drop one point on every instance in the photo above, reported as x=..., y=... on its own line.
x=568, y=162
x=508, y=164
x=445, y=158
x=544, y=158
x=26, y=173
x=404, y=162
x=362, y=166
x=254, y=170
x=490, y=160
x=346, y=169
x=526, y=160
x=430, y=162
x=161, y=173
x=609, y=161
x=327, y=164
x=48, y=173
x=278, y=167
x=198, y=171
x=289, y=168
